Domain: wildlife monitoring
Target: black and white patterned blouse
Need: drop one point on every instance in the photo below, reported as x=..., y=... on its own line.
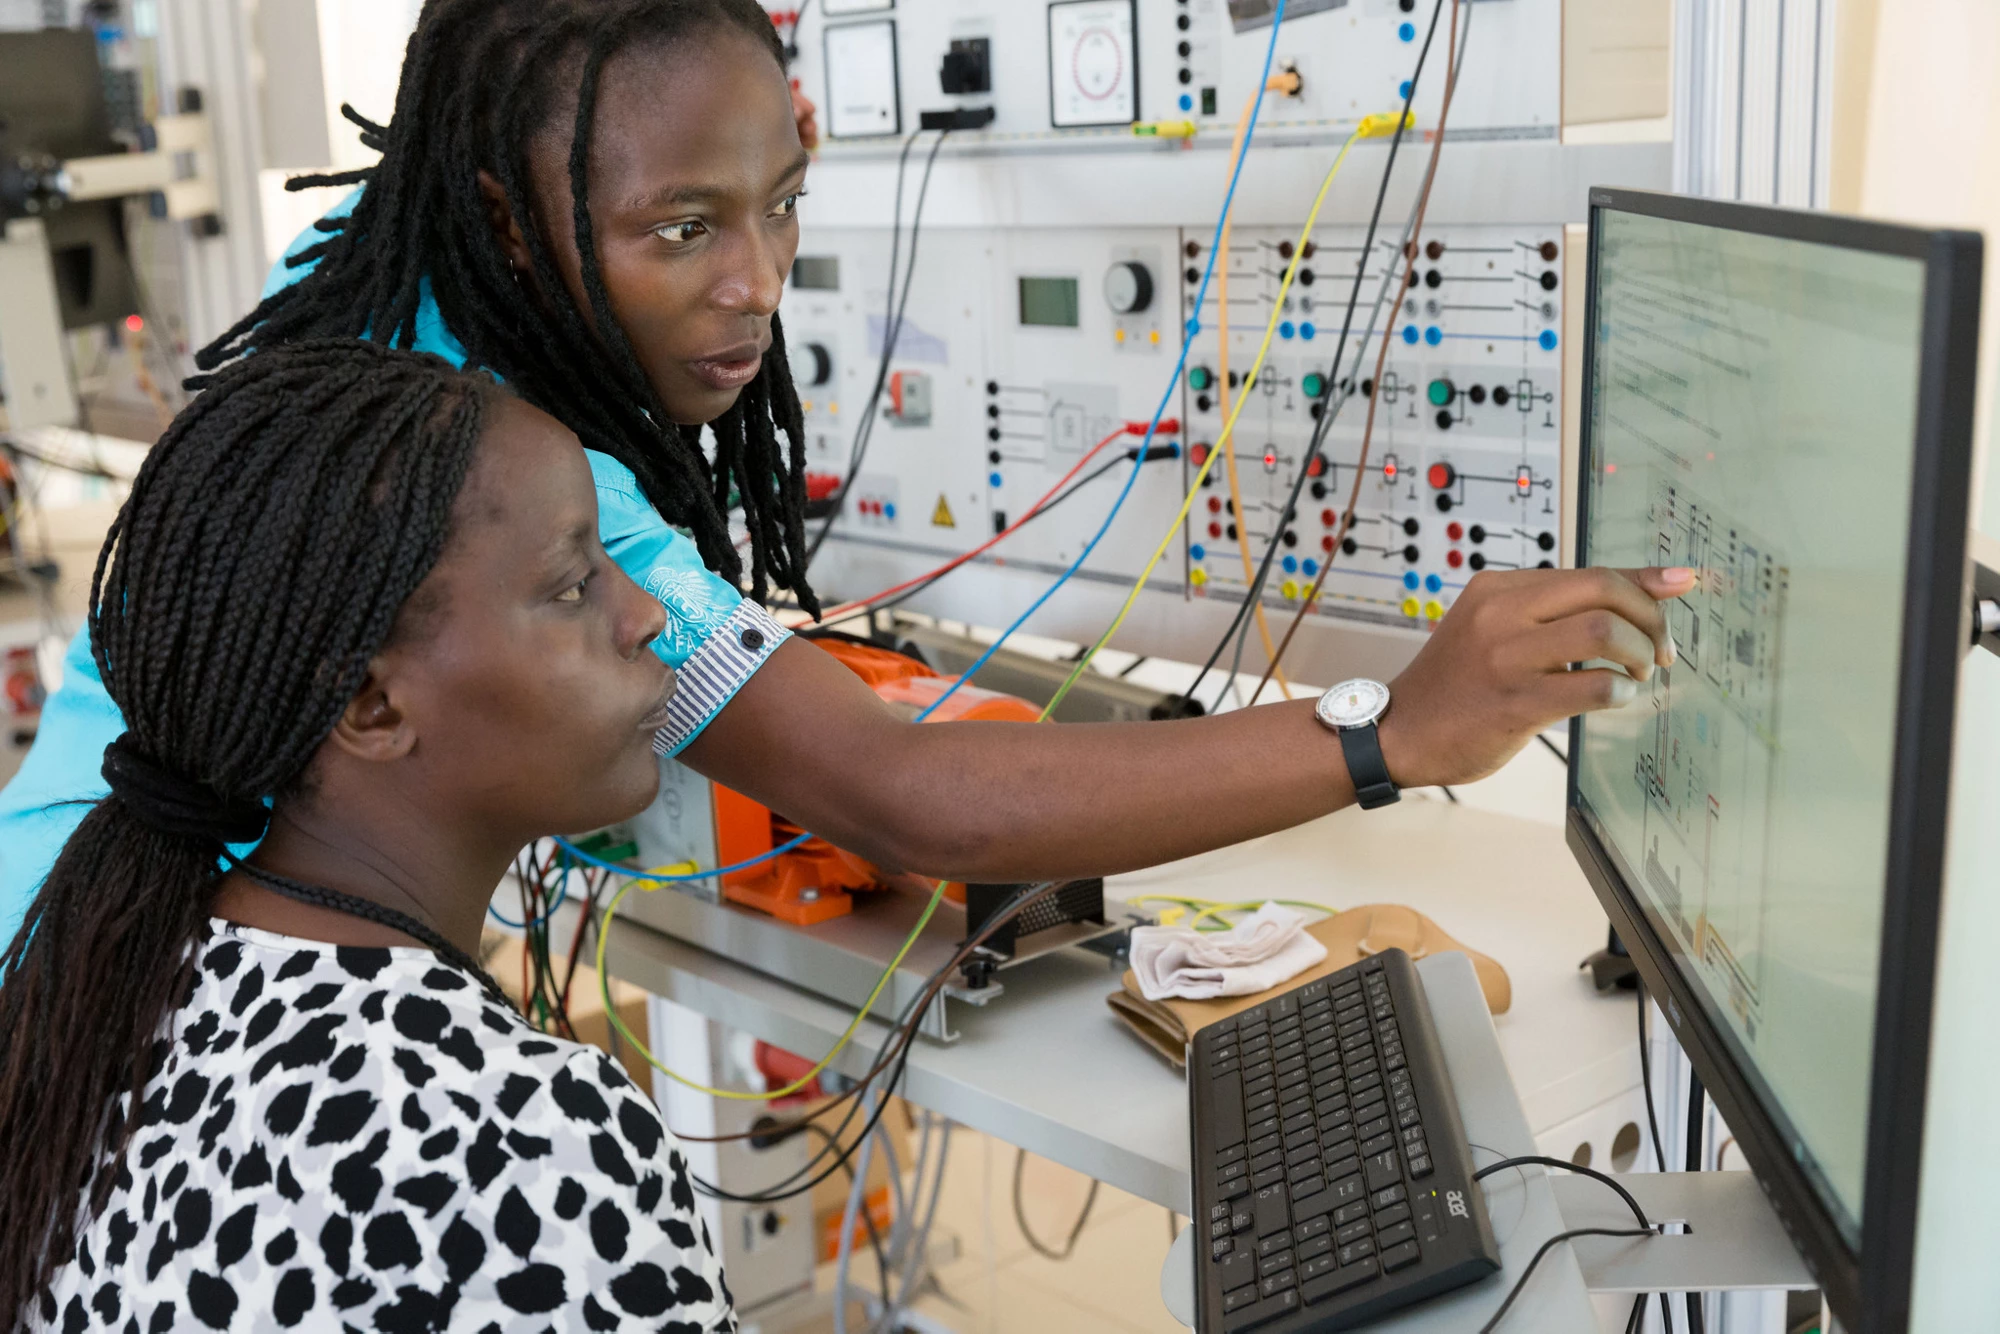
x=360, y=1139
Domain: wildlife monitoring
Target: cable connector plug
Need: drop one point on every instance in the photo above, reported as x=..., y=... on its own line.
x=1385, y=123
x=1165, y=129
x=956, y=118
x=1167, y=426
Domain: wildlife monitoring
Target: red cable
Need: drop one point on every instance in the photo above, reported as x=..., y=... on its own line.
x=1167, y=427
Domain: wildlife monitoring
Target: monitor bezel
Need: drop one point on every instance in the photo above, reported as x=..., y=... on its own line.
x=1868, y=1288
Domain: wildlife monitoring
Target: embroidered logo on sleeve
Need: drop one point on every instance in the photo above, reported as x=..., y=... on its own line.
x=696, y=602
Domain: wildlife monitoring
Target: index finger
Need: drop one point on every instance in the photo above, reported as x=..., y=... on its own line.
x=1634, y=595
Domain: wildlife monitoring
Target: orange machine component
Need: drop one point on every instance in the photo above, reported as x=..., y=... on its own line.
x=816, y=881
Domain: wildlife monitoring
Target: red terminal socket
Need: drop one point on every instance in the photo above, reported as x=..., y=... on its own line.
x=1441, y=475
x=1455, y=531
x=1454, y=558
x=1315, y=466
x=1326, y=517
x=1198, y=455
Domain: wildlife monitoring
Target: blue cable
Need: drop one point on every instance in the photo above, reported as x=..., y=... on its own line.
x=1139, y=461
x=562, y=893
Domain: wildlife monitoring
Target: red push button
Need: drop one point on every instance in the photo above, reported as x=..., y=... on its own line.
x=1441, y=476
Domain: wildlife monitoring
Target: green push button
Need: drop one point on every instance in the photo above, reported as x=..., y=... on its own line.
x=1314, y=384
x=1200, y=378
x=1440, y=392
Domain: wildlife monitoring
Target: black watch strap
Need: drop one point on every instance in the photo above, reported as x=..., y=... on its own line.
x=1372, y=785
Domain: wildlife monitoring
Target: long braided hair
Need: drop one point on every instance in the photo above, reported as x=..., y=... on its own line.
x=269, y=543
x=480, y=79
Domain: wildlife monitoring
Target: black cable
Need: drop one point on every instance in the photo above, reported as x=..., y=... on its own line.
x=1548, y=1246
x=1646, y=1229
x=1042, y=1248
x=1696, y=1114
x=1326, y=412
x=1553, y=748
x=1449, y=795
x=892, y=331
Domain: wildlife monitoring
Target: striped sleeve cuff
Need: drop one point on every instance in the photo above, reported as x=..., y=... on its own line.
x=717, y=670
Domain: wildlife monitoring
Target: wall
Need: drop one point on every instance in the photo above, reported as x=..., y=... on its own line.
x=1917, y=134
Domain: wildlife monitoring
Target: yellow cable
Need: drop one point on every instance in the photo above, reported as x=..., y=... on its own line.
x=611, y=1011
x=1370, y=127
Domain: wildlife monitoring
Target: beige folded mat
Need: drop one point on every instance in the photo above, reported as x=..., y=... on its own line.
x=1350, y=936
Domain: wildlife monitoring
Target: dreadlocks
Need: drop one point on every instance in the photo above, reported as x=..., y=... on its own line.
x=268, y=545
x=480, y=79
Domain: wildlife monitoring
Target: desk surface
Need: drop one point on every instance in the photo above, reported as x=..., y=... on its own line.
x=1047, y=1067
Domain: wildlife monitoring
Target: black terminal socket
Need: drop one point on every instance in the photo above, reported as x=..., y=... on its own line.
x=968, y=66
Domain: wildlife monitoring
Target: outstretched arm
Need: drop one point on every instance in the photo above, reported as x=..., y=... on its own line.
x=1000, y=802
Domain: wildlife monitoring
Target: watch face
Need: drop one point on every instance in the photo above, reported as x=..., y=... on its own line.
x=1353, y=703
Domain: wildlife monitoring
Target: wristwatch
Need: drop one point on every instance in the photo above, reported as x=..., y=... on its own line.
x=1351, y=709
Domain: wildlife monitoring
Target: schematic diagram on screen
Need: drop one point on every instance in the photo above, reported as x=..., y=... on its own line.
x=1706, y=764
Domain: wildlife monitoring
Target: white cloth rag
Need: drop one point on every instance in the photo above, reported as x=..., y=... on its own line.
x=1269, y=947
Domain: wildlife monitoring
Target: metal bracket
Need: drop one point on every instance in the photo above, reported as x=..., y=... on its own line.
x=1986, y=592
x=1731, y=1238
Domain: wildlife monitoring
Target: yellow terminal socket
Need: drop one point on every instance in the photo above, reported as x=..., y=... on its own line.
x=1384, y=123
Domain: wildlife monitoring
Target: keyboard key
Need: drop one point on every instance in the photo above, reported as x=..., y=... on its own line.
x=1220, y=1247
x=1266, y=1126
x=1320, y=1245
x=1371, y=1127
x=1416, y=1148
x=1343, y=1278
x=1264, y=1162
x=1413, y=1134
x=1237, y=1300
x=1380, y=1144
x=1346, y=1189
x=1274, y=1264
x=1420, y=1166
x=1216, y=1211
x=1361, y=1083
x=1389, y=1195
x=1313, y=1227
x=1286, y=1004
x=1304, y=1151
x=1304, y=1191
x=1220, y=1055
x=1355, y=1250
x=1348, y=1213
x=1395, y=1213
x=1262, y=1312
x=1295, y=1106
x=1394, y=1060
x=1230, y=1154
x=1275, y=1243
x=1270, y=1210
x=1264, y=1144
x=1398, y=1257
x=1354, y=1232
x=1316, y=1268
x=1265, y=1180
x=1289, y=1050
x=1296, y=1125
x=1278, y=1283
x=1346, y=1163
x=1380, y=1170
x=1394, y=1236
x=1225, y=1111
x=1233, y=1190
x=1237, y=1269
x=1289, y=1064
x=1230, y=1171
x=1240, y=1219
x=1219, y=1228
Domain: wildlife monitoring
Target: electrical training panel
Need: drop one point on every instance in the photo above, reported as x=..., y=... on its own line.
x=1061, y=251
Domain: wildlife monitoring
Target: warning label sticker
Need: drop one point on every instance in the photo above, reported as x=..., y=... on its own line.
x=941, y=516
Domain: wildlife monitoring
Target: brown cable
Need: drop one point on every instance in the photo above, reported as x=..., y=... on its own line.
x=1381, y=359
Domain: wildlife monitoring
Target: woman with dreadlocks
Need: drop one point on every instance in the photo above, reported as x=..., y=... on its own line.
x=597, y=200
x=279, y=1092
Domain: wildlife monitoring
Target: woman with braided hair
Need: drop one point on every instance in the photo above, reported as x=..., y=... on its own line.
x=597, y=201
x=279, y=1092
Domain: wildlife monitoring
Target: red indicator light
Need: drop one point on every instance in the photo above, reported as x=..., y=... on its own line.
x=134, y=323
x=1270, y=459
x=1610, y=468
x=1389, y=469
x=1524, y=479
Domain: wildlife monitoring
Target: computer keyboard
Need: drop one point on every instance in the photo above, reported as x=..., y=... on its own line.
x=1331, y=1176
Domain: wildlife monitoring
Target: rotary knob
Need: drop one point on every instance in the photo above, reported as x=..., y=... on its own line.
x=1128, y=287
x=818, y=365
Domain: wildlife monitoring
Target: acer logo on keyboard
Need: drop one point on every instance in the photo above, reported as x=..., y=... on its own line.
x=1454, y=1203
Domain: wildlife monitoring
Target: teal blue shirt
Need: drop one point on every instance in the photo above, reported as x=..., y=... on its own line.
x=714, y=638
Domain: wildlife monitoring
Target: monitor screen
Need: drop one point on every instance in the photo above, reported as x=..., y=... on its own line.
x=1753, y=415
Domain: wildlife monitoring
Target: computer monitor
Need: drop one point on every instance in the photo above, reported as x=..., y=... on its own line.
x=1783, y=401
